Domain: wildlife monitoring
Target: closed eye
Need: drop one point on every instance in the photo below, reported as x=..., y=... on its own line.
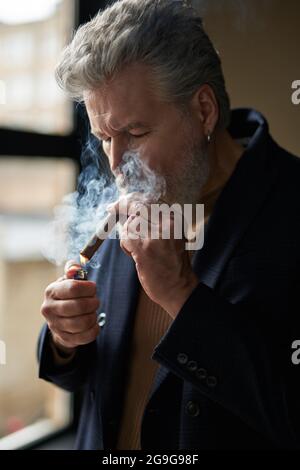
x=134, y=136
x=138, y=136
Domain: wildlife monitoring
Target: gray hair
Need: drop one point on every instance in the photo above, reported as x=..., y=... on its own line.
x=166, y=35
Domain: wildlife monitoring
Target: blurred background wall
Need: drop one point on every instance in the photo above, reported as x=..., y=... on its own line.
x=259, y=44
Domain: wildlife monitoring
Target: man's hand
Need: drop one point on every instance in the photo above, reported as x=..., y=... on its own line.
x=163, y=265
x=69, y=308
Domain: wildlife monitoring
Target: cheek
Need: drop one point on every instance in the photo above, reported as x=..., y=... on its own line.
x=165, y=154
x=172, y=154
x=152, y=155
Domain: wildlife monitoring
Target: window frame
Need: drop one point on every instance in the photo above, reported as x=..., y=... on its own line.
x=25, y=144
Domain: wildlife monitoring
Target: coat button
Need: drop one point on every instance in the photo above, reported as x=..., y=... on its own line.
x=211, y=381
x=192, y=409
x=182, y=358
x=201, y=373
x=192, y=366
x=101, y=319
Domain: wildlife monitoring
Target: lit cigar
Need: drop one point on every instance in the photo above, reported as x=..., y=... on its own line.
x=103, y=231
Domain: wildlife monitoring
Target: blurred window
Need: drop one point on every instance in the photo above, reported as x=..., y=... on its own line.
x=29, y=190
x=32, y=36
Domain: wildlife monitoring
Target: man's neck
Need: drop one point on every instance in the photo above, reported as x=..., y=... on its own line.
x=224, y=153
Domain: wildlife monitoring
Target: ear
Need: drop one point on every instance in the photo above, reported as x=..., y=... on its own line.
x=205, y=108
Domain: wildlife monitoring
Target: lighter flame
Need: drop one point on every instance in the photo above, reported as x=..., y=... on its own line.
x=83, y=260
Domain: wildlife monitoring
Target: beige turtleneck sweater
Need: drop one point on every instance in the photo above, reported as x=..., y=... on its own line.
x=151, y=322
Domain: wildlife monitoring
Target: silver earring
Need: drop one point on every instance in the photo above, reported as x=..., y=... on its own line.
x=208, y=137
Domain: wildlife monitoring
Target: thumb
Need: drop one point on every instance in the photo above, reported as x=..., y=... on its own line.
x=71, y=268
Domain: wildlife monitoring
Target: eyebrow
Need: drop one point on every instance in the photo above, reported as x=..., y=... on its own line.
x=130, y=126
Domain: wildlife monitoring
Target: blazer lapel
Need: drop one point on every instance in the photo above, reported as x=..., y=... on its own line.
x=236, y=207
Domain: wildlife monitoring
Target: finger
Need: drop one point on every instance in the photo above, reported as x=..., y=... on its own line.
x=72, y=340
x=72, y=271
x=70, y=289
x=130, y=244
x=73, y=325
x=124, y=248
x=71, y=263
x=130, y=230
x=121, y=202
x=71, y=309
x=112, y=207
x=138, y=227
x=75, y=307
x=129, y=201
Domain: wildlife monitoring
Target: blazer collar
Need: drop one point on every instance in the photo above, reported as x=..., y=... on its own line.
x=240, y=199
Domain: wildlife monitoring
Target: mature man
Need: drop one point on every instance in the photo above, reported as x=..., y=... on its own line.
x=195, y=351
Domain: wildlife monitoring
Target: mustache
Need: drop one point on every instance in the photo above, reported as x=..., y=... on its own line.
x=133, y=175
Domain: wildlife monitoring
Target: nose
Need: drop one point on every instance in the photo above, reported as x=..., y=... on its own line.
x=117, y=149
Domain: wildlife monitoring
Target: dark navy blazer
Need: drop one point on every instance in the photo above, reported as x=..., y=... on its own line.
x=226, y=379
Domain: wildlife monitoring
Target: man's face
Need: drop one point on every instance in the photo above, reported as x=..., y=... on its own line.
x=127, y=115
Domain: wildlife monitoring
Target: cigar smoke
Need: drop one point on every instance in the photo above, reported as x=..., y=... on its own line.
x=104, y=229
x=82, y=213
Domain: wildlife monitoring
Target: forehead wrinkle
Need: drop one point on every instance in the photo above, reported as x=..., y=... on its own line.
x=101, y=124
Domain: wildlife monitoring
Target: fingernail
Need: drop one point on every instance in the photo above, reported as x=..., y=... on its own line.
x=72, y=271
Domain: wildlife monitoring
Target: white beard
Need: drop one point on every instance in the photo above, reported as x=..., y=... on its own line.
x=185, y=184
